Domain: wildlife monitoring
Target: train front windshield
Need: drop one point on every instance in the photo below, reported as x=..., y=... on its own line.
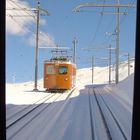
x=57, y=69
x=63, y=70
x=51, y=70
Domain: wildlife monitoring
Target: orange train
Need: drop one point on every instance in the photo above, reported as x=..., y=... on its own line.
x=59, y=74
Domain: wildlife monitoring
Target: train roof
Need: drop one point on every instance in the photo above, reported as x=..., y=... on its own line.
x=59, y=61
x=60, y=56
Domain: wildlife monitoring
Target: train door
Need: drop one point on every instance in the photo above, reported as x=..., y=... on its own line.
x=50, y=72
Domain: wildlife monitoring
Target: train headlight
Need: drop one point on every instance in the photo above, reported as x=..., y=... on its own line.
x=66, y=79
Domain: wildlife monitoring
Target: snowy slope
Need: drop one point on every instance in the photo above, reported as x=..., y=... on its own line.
x=70, y=119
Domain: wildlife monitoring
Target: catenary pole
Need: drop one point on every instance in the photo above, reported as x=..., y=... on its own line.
x=109, y=64
x=37, y=11
x=118, y=6
x=92, y=69
x=128, y=64
x=74, y=51
x=36, y=50
x=117, y=44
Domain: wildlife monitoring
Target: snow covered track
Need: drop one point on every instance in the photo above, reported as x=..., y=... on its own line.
x=114, y=122
x=91, y=112
x=99, y=128
x=12, y=118
x=15, y=123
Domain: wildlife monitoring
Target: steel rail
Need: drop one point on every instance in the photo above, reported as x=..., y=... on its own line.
x=29, y=108
x=11, y=124
x=33, y=117
x=111, y=113
x=103, y=118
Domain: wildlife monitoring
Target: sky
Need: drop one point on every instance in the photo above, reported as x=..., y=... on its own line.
x=91, y=29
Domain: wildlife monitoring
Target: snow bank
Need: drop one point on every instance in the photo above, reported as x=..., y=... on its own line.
x=16, y=93
x=124, y=89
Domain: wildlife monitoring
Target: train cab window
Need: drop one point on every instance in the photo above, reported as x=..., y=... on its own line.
x=63, y=70
x=51, y=70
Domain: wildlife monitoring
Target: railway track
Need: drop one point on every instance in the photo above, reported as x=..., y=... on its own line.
x=27, y=109
x=121, y=120
x=100, y=120
x=112, y=128
x=98, y=126
x=125, y=103
x=30, y=113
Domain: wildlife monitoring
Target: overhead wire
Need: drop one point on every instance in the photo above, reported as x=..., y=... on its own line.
x=97, y=27
x=108, y=28
x=108, y=40
x=131, y=2
x=22, y=17
x=29, y=30
x=21, y=8
x=21, y=25
x=13, y=18
x=123, y=18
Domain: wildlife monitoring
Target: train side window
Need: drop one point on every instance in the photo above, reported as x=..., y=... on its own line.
x=51, y=70
x=63, y=70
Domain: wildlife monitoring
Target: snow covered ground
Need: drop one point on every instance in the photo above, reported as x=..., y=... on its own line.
x=75, y=116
